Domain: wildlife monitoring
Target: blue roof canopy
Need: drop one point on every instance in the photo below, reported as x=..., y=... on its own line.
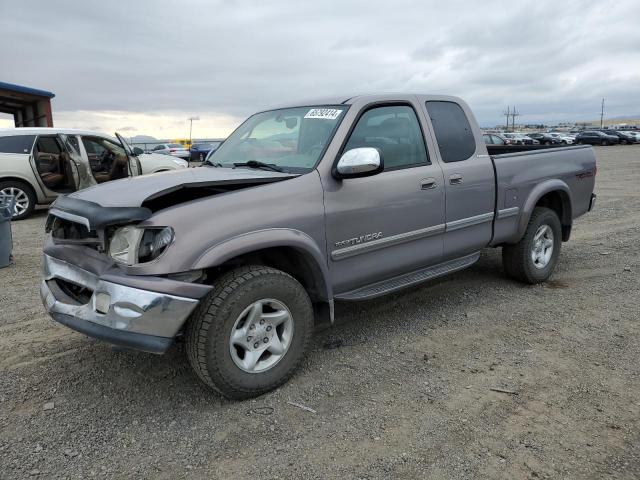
x=27, y=90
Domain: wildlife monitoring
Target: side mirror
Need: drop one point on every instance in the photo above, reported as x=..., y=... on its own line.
x=359, y=162
x=137, y=151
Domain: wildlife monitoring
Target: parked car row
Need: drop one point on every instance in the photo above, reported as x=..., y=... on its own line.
x=590, y=137
x=607, y=137
x=39, y=164
x=197, y=152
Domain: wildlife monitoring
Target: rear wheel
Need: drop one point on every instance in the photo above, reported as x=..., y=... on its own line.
x=249, y=335
x=580, y=142
x=534, y=257
x=547, y=143
x=24, y=196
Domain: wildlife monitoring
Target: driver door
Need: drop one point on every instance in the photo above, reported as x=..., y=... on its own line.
x=383, y=225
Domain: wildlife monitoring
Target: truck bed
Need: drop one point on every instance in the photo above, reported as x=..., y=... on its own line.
x=519, y=172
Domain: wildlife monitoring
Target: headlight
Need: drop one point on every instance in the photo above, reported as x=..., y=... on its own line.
x=131, y=245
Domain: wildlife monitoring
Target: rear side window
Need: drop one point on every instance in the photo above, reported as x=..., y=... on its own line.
x=453, y=131
x=395, y=131
x=17, y=144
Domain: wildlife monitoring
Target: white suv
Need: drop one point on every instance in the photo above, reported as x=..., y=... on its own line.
x=38, y=164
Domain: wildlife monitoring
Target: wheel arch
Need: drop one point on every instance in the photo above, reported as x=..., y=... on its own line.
x=555, y=195
x=291, y=251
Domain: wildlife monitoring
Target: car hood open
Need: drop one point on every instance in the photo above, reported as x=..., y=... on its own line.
x=165, y=189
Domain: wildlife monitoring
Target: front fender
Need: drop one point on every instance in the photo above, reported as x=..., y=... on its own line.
x=536, y=194
x=269, y=238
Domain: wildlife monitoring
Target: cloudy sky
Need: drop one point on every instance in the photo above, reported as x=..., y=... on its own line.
x=144, y=67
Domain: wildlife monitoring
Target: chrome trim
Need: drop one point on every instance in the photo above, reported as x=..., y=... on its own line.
x=71, y=217
x=129, y=309
x=469, y=221
x=353, y=250
x=508, y=212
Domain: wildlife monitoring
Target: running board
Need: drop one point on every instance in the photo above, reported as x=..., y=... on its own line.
x=408, y=279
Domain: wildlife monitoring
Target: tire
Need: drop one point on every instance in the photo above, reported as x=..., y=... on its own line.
x=604, y=143
x=517, y=259
x=24, y=194
x=580, y=142
x=547, y=143
x=209, y=331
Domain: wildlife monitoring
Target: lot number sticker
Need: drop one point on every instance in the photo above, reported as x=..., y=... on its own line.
x=326, y=113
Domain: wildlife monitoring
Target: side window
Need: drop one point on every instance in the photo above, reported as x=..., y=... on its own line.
x=453, y=131
x=73, y=140
x=17, y=144
x=395, y=131
x=108, y=160
x=497, y=140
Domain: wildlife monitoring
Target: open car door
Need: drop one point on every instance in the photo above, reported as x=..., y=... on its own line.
x=135, y=167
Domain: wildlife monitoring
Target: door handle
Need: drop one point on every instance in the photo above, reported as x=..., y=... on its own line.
x=455, y=179
x=428, y=183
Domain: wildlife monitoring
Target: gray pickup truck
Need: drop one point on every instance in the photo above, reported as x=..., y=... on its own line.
x=342, y=199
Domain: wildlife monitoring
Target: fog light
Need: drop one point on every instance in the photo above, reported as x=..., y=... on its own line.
x=102, y=302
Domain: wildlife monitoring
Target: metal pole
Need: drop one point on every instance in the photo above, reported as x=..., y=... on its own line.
x=190, y=129
x=602, y=115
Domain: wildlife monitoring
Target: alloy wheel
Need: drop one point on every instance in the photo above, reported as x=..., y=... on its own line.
x=261, y=335
x=542, y=248
x=22, y=199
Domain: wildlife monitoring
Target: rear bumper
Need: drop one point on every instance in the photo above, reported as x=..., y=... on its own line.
x=119, y=314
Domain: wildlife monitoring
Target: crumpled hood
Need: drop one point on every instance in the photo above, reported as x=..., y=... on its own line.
x=134, y=191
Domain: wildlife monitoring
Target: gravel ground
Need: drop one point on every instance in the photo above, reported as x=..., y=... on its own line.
x=401, y=387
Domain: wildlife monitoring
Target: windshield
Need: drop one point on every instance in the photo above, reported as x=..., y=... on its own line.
x=292, y=138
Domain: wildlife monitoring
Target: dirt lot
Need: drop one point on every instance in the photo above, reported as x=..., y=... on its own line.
x=401, y=386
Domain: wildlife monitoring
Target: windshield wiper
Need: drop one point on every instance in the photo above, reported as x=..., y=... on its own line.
x=259, y=164
x=213, y=164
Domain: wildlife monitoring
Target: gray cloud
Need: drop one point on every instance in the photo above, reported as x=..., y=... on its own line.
x=553, y=60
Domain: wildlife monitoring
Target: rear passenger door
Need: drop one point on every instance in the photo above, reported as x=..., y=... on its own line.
x=468, y=178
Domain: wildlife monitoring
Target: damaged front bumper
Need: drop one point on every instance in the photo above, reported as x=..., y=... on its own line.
x=94, y=302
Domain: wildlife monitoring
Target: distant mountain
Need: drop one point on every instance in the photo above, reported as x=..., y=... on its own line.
x=142, y=139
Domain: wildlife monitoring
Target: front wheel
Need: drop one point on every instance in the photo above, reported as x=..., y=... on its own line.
x=534, y=257
x=249, y=335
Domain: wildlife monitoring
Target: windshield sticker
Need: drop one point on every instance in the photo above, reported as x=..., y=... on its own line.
x=326, y=113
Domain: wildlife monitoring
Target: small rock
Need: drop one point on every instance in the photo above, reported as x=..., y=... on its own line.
x=34, y=472
x=468, y=387
x=627, y=268
x=38, y=448
x=48, y=406
x=605, y=253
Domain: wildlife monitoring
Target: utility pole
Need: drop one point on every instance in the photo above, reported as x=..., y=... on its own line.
x=602, y=114
x=191, y=119
x=507, y=114
x=514, y=114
